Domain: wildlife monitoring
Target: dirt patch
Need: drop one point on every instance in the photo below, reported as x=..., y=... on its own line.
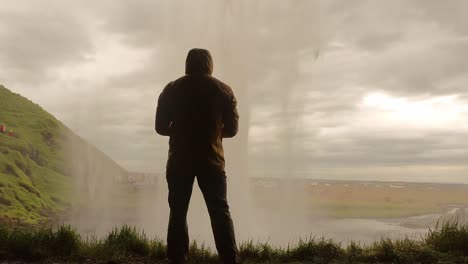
x=48, y=138
x=5, y=201
x=9, y=169
x=30, y=189
x=35, y=155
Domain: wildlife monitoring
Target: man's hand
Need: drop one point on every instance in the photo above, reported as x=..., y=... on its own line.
x=231, y=118
x=163, y=122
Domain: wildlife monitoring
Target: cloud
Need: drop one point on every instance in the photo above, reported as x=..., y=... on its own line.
x=101, y=65
x=34, y=39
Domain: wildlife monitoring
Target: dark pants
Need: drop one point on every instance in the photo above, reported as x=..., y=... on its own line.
x=213, y=187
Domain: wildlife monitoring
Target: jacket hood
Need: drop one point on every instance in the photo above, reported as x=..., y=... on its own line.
x=199, y=61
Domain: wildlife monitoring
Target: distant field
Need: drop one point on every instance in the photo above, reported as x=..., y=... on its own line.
x=355, y=199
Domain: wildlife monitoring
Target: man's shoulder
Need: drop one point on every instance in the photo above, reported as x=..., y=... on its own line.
x=171, y=86
x=216, y=80
x=186, y=79
x=177, y=81
x=223, y=86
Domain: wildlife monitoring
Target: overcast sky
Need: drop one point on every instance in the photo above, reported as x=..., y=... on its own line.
x=326, y=89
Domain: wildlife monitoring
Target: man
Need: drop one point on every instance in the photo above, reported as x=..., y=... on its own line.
x=197, y=111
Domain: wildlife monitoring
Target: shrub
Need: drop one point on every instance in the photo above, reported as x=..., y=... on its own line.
x=446, y=243
x=449, y=237
x=126, y=241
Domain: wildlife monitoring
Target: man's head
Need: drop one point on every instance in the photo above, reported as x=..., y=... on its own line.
x=199, y=61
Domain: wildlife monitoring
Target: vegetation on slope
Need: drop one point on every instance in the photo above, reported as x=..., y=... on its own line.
x=35, y=175
x=32, y=170
x=447, y=243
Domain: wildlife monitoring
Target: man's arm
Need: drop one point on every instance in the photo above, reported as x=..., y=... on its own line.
x=163, y=121
x=231, y=118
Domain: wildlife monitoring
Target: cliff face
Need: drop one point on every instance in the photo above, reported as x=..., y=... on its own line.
x=44, y=166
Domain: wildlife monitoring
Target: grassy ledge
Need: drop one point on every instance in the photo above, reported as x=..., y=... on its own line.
x=446, y=243
x=36, y=171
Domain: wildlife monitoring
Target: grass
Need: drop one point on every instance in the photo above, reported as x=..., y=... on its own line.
x=35, y=175
x=32, y=168
x=446, y=243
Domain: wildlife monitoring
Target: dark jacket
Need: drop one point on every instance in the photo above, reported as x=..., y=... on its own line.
x=197, y=111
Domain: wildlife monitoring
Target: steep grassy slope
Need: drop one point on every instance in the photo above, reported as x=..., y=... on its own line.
x=35, y=176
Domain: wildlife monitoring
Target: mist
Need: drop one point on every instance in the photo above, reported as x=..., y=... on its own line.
x=326, y=90
x=250, y=45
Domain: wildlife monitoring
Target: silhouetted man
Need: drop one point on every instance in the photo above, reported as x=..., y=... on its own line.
x=197, y=111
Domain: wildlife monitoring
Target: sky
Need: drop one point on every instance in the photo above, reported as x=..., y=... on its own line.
x=369, y=90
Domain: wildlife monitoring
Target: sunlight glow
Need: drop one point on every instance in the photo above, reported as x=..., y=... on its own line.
x=434, y=111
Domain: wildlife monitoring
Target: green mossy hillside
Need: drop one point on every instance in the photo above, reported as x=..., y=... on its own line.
x=35, y=177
